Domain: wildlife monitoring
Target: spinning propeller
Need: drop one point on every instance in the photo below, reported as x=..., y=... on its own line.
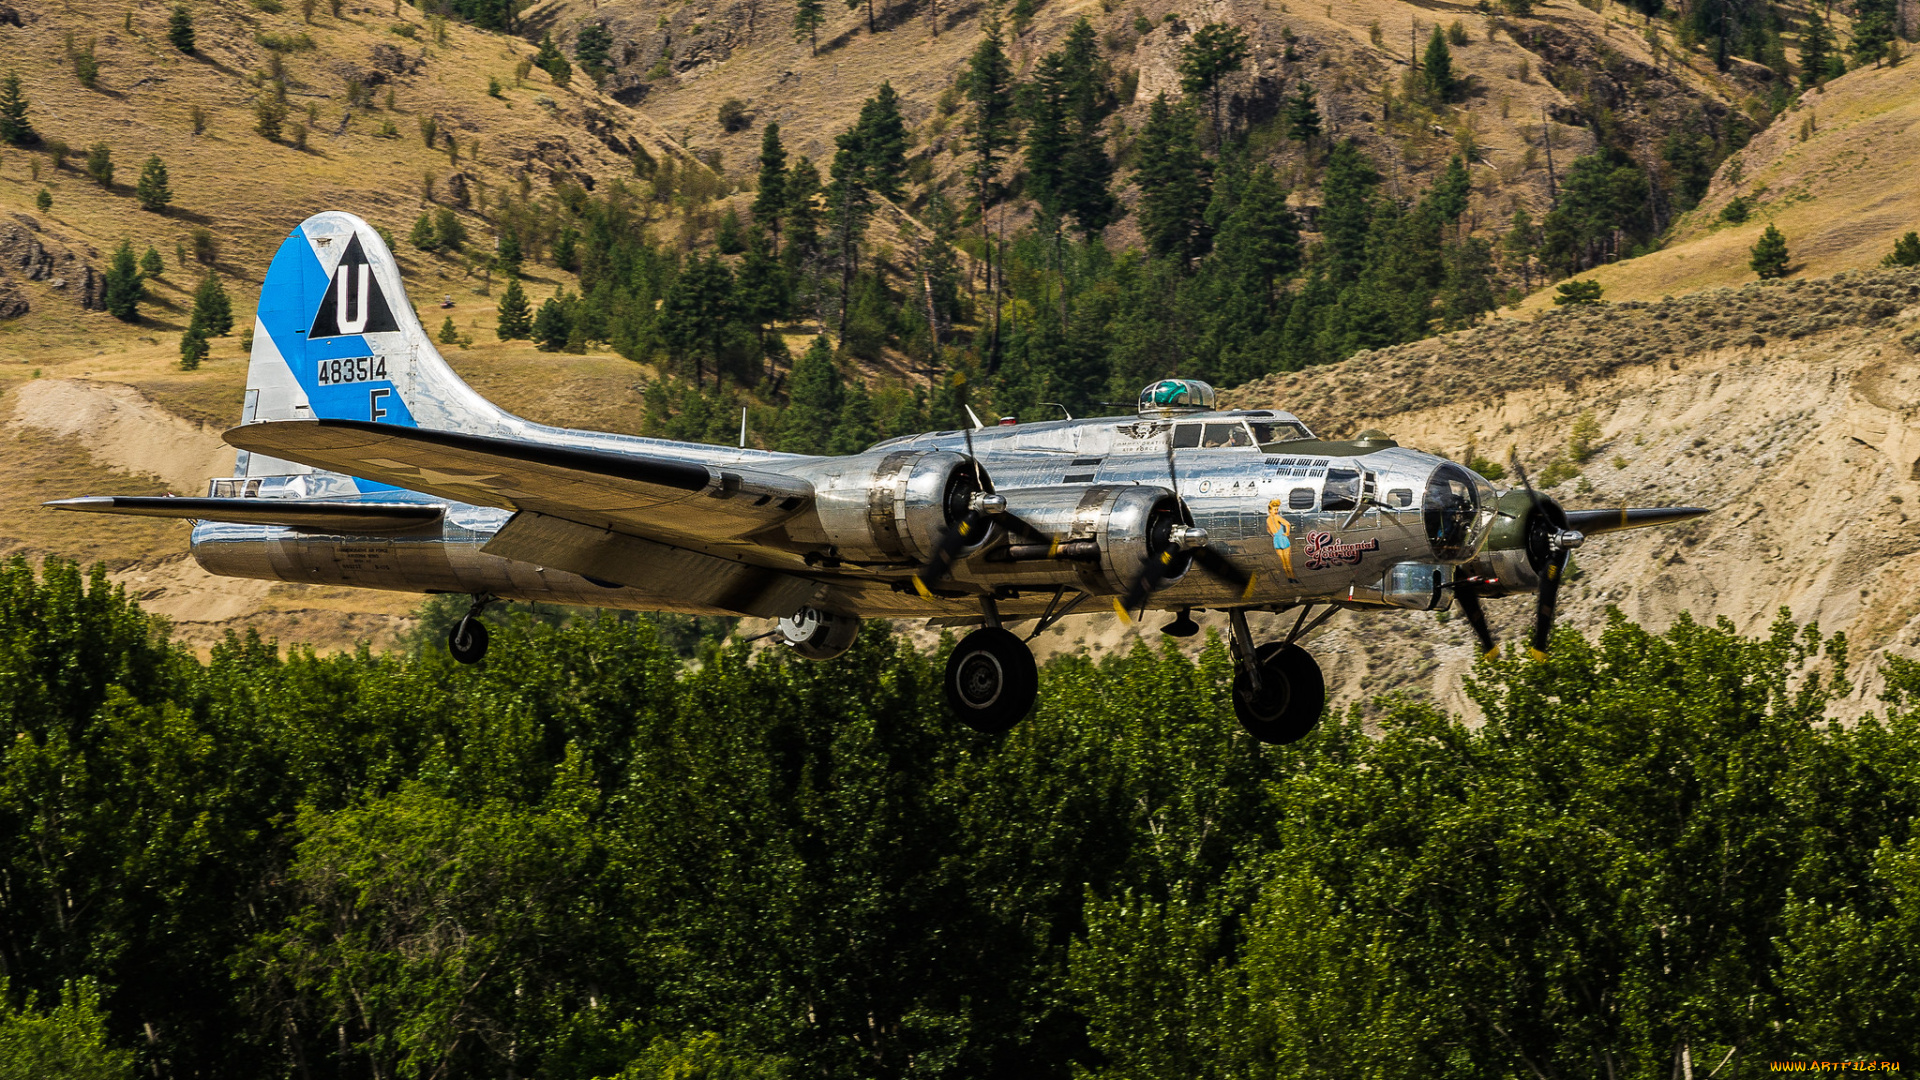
x=1174, y=542
x=982, y=506
x=1546, y=534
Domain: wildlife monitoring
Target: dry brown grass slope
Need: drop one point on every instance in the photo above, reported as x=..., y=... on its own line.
x=680, y=61
x=1835, y=174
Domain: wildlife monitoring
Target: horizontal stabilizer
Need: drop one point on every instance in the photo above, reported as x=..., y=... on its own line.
x=311, y=515
x=1593, y=522
x=620, y=487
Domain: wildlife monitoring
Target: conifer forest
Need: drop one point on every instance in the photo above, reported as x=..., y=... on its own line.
x=620, y=848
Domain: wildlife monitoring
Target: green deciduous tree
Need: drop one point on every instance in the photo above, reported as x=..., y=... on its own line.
x=66, y=1042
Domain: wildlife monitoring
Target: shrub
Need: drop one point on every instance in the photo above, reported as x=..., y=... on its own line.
x=734, y=116
x=43, y=201
x=269, y=114
x=100, y=164
x=180, y=29
x=206, y=250
x=193, y=349
x=1577, y=292
x=1736, y=210
x=150, y=264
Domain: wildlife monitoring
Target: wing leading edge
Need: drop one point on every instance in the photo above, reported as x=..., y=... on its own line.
x=306, y=515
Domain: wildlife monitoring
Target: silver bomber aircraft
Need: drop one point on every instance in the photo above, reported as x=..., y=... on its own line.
x=365, y=461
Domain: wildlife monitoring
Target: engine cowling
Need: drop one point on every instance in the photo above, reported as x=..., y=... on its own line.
x=1518, y=548
x=1102, y=534
x=817, y=634
x=892, y=507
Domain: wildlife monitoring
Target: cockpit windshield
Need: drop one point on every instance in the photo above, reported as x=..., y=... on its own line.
x=1273, y=431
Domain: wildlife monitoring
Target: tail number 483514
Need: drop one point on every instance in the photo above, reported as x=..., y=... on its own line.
x=352, y=369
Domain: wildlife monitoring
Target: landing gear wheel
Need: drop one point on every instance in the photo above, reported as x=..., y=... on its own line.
x=468, y=640
x=991, y=680
x=1292, y=693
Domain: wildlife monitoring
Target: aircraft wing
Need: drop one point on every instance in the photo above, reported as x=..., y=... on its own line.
x=647, y=495
x=308, y=515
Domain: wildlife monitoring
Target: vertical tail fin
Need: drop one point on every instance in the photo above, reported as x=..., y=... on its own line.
x=335, y=338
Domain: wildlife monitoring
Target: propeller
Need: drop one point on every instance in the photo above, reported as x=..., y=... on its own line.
x=1175, y=542
x=1550, y=543
x=977, y=508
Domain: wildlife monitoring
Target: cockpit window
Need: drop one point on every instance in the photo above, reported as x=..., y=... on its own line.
x=1273, y=431
x=1226, y=435
x=1186, y=436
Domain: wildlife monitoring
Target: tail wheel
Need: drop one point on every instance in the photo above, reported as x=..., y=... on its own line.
x=991, y=680
x=1290, y=699
x=468, y=640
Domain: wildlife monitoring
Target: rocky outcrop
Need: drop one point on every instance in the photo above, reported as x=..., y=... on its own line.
x=37, y=255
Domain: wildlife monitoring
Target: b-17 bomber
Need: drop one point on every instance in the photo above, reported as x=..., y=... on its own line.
x=363, y=460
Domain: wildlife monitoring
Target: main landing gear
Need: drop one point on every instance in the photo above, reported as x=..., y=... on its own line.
x=467, y=641
x=1278, y=692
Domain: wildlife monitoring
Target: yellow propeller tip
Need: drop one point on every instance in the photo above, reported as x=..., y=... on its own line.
x=1536, y=654
x=1252, y=580
x=1121, y=610
x=921, y=588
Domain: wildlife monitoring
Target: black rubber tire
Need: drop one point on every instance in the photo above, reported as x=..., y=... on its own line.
x=467, y=641
x=1293, y=695
x=991, y=681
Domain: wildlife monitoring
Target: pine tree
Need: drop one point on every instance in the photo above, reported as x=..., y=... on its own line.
x=880, y=139
x=770, y=198
x=549, y=60
x=152, y=190
x=212, y=311
x=507, y=255
x=1068, y=169
x=515, y=321
x=698, y=312
x=43, y=200
x=854, y=5
x=449, y=333
x=1215, y=51
x=1906, y=251
x=150, y=264
x=554, y=324
x=849, y=202
x=855, y=428
x=422, y=235
x=180, y=29
x=1816, y=51
x=1346, y=214
x=591, y=46
x=1770, y=255
x=1437, y=68
x=99, y=164
x=1872, y=34
x=1303, y=116
x=14, y=127
x=808, y=17
x=814, y=401
x=1518, y=246
x=988, y=84
x=1173, y=179
x=124, y=289
x=193, y=349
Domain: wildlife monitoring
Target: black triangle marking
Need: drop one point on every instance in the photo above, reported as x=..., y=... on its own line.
x=361, y=309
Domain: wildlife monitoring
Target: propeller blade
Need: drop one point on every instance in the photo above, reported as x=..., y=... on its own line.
x=1476, y=617
x=1549, y=602
x=1214, y=562
x=1595, y=522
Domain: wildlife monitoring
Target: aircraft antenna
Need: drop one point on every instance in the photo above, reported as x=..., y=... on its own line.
x=743, y=427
